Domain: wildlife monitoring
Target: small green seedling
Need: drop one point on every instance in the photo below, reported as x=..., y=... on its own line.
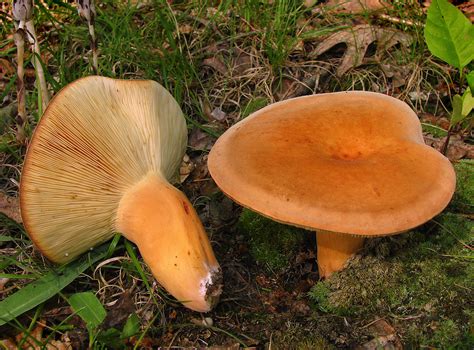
x=87, y=306
x=450, y=36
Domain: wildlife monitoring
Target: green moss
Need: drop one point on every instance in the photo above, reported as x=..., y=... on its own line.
x=463, y=199
x=271, y=244
x=427, y=274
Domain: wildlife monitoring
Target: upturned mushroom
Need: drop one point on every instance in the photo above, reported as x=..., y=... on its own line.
x=349, y=165
x=100, y=161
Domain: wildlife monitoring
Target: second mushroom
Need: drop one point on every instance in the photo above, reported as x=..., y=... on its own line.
x=349, y=165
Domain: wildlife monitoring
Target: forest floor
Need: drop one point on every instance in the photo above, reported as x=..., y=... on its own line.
x=223, y=60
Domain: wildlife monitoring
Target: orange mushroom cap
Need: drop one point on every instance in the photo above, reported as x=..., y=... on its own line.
x=349, y=162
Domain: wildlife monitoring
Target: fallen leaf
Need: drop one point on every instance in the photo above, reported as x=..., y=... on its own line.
x=385, y=337
x=187, y=166
x=199, y=140
x=34, y=340
x=216, y=64
x=468, y=9
x=397, y=73
x=242, y=62
x=457, y=149
x=357, y=40
x=10, y=206
x=218, y=114
x=119, y=312
x=356, y=6
x=442, y=122
x=3, y=282
x=6, y=69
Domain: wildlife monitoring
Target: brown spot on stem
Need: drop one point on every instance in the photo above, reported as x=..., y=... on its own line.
x=186, y=207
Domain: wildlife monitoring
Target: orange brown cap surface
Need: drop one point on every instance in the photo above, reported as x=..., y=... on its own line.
x=350, y=162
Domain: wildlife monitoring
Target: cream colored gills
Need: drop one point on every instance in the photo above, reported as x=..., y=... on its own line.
x=99, y=139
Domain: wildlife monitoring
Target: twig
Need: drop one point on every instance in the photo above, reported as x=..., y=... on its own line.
x=86, y=9
x=400, y=20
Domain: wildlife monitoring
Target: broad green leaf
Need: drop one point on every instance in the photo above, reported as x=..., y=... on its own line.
x=111, y=338
x=132, y=326
x=89, y=308
x=457, y=115
x=449, y=34
x=470, y=80
x=467, y=102
x=46, y=286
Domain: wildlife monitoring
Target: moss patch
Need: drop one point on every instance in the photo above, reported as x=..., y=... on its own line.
x=271, y=244
x=424, y=283
x=463, y=200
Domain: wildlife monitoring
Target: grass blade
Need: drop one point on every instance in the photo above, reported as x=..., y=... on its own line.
x=89, y=308
x=47, y=286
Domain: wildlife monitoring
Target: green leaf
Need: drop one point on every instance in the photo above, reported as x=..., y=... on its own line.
x=467, y=102
x=457, y=115
x=131, y=327
x=470, y=81
x=449, y=34
x=111, y=338
x=46, y=286
x=89, y=308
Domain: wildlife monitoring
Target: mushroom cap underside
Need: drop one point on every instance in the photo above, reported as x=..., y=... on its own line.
x=97, y=138
x=349, y=162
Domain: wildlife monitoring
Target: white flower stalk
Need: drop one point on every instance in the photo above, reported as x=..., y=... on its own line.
x=86, y=9
x=22, y=11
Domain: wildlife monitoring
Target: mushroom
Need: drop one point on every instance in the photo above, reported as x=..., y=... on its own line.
x=100, y=161
x=349, y=165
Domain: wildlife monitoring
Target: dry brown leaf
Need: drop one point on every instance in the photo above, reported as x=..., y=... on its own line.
x=457, y=149
x=442, y=122
x=216, y=64
x=468, y=9
x=357, y=40
x=242, y=62
x=397, y=73
x=356, y=6
x=34, y=340
x=218, y=114
x=3, y=282
x=118, y=313
x=187, y=166
x=199, y=140
x=6, y=68
x=10, y=206
x=385, y=337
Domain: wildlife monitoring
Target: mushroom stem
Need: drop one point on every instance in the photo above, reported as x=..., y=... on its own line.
x=161, y=221
x=334, y=249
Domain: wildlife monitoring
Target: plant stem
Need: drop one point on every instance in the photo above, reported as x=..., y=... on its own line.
x=86, y=9
x=19, y=38
x=35, y=49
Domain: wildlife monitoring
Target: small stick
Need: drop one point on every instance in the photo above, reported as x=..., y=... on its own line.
x=86, y=9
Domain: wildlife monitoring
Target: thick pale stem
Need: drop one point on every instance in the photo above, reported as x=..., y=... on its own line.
x=161, y=221
x=334, y=249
